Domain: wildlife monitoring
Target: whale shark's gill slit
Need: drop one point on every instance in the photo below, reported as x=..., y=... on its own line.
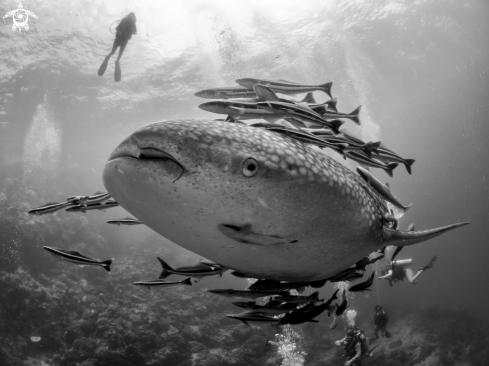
x=244, y=234
x=150, y=153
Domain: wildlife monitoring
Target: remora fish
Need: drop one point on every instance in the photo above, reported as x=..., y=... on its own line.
x=285, y=87
x=380, y=188
x=226, y=93
x=365, y=160
x=251, y=316
x=237, y=109
x=266, y=309
x=388, y=156
x=73, y=256
x=163, y=283
x=314, y=297
x=185, y=178
x=49, y=208
x=97, y=197
x=245, y=293
x=125, y=221
x=198, y=270
x=305, y=115
x=265, y=93
x=364, y=286
x=270, y=285
x=94, y=206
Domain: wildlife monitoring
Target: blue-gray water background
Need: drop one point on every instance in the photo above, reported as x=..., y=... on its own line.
x=419, y=68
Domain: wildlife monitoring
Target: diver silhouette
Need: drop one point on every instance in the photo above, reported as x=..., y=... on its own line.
x=125, y=30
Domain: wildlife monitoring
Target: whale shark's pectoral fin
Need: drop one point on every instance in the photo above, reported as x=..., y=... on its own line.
x=245, y=235
x=403, y=238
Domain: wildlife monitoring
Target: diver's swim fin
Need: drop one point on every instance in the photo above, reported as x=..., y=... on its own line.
x=387, y=334
x=103, y=67
x=117, y=72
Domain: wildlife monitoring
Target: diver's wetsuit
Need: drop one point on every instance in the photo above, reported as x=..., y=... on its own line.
x=125, y=30
x=380, y=320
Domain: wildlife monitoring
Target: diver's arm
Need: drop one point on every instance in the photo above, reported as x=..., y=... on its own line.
x=340, y=342
x=389, y=274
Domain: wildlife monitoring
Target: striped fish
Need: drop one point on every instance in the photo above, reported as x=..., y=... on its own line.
x=125, y=221
x=75, y=257
x=163, y=283
x=49, y=208
x=285, y=87
x=94, y=206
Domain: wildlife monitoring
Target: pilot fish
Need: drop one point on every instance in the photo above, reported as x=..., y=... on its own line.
x=186, y=179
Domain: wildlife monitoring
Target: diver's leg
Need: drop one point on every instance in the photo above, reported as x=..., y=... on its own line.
x=376, y=332
x=117, y=71
x=412, y=278
x=103, y=67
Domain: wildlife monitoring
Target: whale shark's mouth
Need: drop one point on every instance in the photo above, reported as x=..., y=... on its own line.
x=149, y=154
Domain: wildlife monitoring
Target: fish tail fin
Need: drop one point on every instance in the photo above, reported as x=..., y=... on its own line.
x=166, y=269
x=332, y=104
x=187, y=281
x=408, y=163
x=106, y=264
x=354, y=115
x=309, y=98
x=389, y=168
x=327, y=88
x=335, y=125
x=404, y=238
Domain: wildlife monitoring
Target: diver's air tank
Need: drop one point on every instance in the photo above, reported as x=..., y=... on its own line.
x=402, y=262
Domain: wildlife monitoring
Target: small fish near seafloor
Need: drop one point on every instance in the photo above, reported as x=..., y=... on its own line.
x=163, y=283
x=248, y=173
x=75, y=257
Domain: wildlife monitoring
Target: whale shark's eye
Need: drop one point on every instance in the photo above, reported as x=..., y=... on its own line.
x=250, y=167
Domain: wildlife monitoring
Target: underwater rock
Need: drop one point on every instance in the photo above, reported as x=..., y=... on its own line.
x=172, y=330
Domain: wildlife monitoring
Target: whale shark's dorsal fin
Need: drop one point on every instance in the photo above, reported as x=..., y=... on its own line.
x=404, y=238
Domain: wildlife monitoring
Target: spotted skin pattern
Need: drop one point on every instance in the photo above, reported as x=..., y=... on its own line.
x=330, y=217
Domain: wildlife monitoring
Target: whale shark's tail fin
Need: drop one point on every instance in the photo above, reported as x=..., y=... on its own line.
x=404, y=238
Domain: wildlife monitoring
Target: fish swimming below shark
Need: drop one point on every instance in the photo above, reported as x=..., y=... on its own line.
x=76, y=257
x=187, y=179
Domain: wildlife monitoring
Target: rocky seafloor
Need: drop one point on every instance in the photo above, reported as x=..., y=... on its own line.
x=86, y=317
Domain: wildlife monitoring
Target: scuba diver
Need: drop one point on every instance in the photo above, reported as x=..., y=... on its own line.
x=356, y=346
x=125, y=30
x=380, y=320
x=398, y=270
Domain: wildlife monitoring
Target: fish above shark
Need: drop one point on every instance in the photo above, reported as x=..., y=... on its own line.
x=311, y=216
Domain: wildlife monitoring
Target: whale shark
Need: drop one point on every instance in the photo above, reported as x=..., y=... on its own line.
x=252, y=200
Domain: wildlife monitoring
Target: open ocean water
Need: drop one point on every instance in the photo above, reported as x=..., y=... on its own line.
x=420, y=70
